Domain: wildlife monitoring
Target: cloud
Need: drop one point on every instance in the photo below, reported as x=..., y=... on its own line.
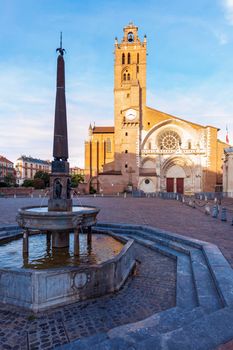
x=228, y=9
x=27, y=113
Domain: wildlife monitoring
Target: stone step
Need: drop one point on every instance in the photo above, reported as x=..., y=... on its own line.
x=207, y=293
x=205, y=333
x=159, y=323
x=185, y=290
x=133, y=233
x=222, y=273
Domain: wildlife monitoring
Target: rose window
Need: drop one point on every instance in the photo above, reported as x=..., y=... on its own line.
x=169, y=140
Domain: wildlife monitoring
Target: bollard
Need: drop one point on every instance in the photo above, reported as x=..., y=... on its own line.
x=118, y=194
x=215, y=200
x=177, y=197
x=224, y=214
x=206, y=198
x=102, y=194
x=14, y=195
x=215, y=212
x=207, y=209
x=124, y=194
x=183, y=200
x=94, y=194
x=200, y=197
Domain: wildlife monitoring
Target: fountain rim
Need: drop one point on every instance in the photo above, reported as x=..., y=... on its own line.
x=87, y=210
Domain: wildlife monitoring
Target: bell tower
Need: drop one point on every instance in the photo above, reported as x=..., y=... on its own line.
x=129, y=100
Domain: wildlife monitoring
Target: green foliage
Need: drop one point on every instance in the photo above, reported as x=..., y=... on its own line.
x=38, y=184
x=42, y=175
x=92, y=190
x=28, y=183
x=76, y=180
x=9, y=180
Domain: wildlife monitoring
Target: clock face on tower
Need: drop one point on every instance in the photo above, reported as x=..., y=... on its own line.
x=131, y=114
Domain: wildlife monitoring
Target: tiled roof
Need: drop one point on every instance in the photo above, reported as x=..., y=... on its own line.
x=5, y=160
x=103, y=130
x=34, y=160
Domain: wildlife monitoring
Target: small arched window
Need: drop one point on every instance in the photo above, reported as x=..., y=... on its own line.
x=124, y=76
x=108, y=146
x=149, y=145
x=137, y=58
x=129, y=59
x=128, y=76
x=123, y=58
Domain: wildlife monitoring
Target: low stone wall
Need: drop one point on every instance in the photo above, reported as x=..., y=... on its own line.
x=22, y=192
x=40, y=290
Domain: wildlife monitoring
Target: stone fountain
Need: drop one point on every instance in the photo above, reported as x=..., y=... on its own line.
x=60, y=217
x=52, y=285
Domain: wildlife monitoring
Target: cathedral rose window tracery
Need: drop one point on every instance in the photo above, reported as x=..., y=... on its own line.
x=169, y=140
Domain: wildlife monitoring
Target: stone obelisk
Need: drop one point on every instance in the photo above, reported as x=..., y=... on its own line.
x=60, y=182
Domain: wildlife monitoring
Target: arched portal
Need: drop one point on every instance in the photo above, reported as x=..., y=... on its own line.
x=177, y=174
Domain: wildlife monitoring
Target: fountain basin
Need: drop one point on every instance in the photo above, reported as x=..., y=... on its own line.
x=39, y=218
x=39, y=290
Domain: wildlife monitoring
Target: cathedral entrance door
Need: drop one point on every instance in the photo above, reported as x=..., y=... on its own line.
x=180, y=185
x=170, y=184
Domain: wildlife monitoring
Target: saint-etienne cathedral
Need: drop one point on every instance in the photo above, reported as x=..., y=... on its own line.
x=148, y=149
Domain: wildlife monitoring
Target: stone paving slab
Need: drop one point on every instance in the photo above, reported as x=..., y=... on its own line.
x=167, y=215
x=170, y=215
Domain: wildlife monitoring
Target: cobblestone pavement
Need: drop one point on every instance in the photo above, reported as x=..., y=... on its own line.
x=150, y=290
x=170, y=215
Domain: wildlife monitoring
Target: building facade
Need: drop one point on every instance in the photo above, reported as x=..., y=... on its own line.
x=148, y=149
x=228, y=172
x=6, y=168
x=26, y=168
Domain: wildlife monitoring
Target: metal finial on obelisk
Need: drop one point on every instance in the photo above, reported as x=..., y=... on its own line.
x=60, y=49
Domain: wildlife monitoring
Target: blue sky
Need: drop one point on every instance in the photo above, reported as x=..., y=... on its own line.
x=189, y=72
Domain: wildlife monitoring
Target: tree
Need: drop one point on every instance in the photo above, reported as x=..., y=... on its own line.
x=28, y=183
x=9, y=180
x=38, y=184
x=76, y=180
x=43, y=176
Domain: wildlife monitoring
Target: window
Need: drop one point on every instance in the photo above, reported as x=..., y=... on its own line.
x=126, y=151
x=137, y=69
x=147, y=181
x=189, y=145
x=128, y=76
x=129, y=59
x=149, y=145
x=130, y=37
x=123, y=58
x=148, y=123
x=169, y=140
x=126, y=134
x=126, y=165
x=124, y=76
x=128, y=95
x=137, y=58
x=108, y=146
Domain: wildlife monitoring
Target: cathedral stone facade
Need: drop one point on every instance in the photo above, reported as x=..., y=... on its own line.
x=147, y=149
